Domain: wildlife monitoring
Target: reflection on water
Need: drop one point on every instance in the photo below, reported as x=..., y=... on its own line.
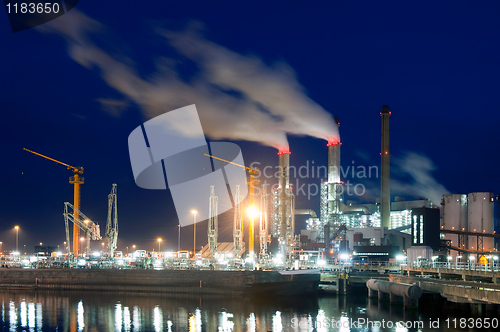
x=128, y=312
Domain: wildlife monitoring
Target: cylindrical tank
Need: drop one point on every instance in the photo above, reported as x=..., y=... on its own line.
x=480, y=219
x=455, y=217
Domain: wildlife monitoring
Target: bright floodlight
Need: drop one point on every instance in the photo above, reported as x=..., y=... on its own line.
x=400, y=258
x=344, y=256
x=252, y=212
x=194, y=212
x=321, y=262
x=449, y=258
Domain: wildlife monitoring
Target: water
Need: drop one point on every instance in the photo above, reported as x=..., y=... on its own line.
x=98, y=311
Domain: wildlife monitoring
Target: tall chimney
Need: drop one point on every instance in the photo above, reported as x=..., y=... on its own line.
x=385, y=195
x=334, y=179
x=284, y=183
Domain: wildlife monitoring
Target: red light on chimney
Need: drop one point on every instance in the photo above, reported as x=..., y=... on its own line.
x=284, y=152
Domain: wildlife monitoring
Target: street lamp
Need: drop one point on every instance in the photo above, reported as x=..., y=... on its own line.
x=179, y=239
x=17, y=238
x=194, y=212
x=449, y=259
x=159, y=242
x=456, y=260
x=472, y=261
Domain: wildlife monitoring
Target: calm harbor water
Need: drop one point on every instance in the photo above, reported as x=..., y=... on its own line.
x=98, y=311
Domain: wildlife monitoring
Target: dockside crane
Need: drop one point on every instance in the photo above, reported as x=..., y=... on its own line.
x=76, y=180
x=252, y=182
x=112, y=223
x=91, y=229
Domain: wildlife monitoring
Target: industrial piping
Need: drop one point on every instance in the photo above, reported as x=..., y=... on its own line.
x=310, y=212
x=385, y=195
x=410, y=293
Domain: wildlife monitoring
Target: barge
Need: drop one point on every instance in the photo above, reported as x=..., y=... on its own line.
x=220, y=282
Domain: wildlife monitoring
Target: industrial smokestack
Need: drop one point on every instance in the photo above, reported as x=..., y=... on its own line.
x=385, y=194
x=284, y=183
x=334, y=184
x=334, y=159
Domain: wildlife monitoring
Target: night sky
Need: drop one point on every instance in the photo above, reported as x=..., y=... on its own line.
x=437, y=65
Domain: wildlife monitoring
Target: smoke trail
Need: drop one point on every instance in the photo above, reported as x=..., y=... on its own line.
x=238, y=96
x=423, y=184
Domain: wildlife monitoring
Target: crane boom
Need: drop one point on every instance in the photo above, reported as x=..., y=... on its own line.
x=57, y=161
x=76, y=180
x=248, y=169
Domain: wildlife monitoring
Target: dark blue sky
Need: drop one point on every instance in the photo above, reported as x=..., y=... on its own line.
x=437, y=65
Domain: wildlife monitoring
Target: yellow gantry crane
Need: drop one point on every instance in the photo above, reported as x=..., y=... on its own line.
x=253, y=172
x=76, y=180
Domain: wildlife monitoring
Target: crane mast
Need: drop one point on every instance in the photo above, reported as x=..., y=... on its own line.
x=238, y=225
x=252, y=182
x=112, y=222
x=213, y=227
x=75, y=180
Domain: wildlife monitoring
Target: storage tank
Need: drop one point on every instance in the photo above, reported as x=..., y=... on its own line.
x=480, y=219
x=455, y=217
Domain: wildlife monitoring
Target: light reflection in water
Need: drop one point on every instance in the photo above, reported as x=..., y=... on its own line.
x=192, y=323
x=344, y=324
x=251, y=323
x=277, y=326
x=321, y=321
x=79, y=311
x=31, y=316
x=24, y=314
x=158, y=319
x=136, y=319
x=128, y=312
x=126, y=319
x=118, y=317
x=197, y=316
x=226, y=325
x=12, y=316
x=400, y=328
x=39, y=316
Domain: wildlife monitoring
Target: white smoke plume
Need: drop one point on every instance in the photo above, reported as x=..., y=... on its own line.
x=422, y=183
x=238, y=97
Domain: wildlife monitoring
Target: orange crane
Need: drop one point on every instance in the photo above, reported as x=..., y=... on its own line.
x=253, y=172
x=76, y=180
